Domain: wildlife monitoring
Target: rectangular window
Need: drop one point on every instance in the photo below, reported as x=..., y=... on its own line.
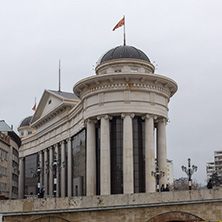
x=139, y=154
x=4, y=155
x=116, y=152
x=14, y=177
x=31, y=179
x=15, y=152
x=79, y=163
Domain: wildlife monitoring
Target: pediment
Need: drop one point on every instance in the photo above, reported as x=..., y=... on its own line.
x=51, y=102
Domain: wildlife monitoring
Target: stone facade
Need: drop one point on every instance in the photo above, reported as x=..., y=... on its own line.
x=121, y=110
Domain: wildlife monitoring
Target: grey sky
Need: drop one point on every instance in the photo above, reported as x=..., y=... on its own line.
x=183, y=37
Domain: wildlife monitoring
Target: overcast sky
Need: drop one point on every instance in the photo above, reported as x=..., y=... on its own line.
x=183, y=37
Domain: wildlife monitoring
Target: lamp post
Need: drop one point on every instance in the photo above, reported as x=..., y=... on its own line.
x=189, y=171
x=157, y=174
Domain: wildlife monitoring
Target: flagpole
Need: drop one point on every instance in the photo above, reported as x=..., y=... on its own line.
x=124, y=32
x=59, y=78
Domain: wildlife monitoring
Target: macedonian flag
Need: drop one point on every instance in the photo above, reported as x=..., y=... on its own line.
x=120, y=23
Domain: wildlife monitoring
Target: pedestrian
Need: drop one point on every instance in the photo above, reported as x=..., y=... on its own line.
x=209, y=184
x=167, y=188
x=162, y=189
x=42, y=192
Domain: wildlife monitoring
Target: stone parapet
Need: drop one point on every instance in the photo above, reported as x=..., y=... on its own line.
x=88, y=203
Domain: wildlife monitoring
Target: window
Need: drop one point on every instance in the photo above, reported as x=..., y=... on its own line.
x=14, y=190
x=117, y=70
x=79, y=163
x=139, y=154
x=4, y=155
x=116, y=152
x=134, y=70
x=14, y=164
x=15, y=152
x=3, y=171
x=15, y=177
x=29, y=132
x=3, y=187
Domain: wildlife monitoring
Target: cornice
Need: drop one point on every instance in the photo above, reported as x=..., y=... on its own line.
x=53, y=127
x=126, y=81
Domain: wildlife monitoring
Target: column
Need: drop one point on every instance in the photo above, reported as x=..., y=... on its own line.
x=46, y=169
x=63, y=169
x=21, y=177
x=51, y=185
x=91, y=159
x=149, y=154
x=41, y=167
x=128, y=179
x=161, y=150
x=69, y=167
x=105, y=185
x=58, y=167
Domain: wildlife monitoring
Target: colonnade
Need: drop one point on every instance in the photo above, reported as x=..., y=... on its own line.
x=64, y=177
x=48, y=164
x=128, y=167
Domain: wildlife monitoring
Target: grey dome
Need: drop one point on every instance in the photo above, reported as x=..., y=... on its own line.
x=126, y=51
x=26, y=121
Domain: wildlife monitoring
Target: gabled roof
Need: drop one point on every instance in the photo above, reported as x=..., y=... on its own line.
x=67, y=95
x=51, y=102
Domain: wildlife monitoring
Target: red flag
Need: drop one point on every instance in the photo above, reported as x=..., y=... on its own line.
x=34, y=107
x=120, y=23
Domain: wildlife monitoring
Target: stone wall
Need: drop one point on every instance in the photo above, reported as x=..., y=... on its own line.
x=201, y=205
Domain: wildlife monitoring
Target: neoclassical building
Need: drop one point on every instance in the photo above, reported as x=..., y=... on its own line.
x=104, y=138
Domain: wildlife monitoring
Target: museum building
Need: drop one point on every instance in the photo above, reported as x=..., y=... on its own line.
x=102, y=139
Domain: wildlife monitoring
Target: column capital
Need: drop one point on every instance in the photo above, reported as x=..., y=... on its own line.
x=123, y=115
x=148, y=116
x=62, y=142
x=90, y=121
x=107, y=117
x=40, y=152
x=161, y=120
x=68, y=139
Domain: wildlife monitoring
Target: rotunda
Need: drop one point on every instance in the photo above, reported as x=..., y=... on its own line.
x=125, y=105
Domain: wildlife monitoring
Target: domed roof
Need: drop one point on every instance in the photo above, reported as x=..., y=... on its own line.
x=123, y=51
x=26, y=121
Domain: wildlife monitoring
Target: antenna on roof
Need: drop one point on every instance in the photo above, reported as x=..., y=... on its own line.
x=59, y=77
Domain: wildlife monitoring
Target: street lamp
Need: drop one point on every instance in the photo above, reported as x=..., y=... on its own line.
x=189, y=171
x=157, y=174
